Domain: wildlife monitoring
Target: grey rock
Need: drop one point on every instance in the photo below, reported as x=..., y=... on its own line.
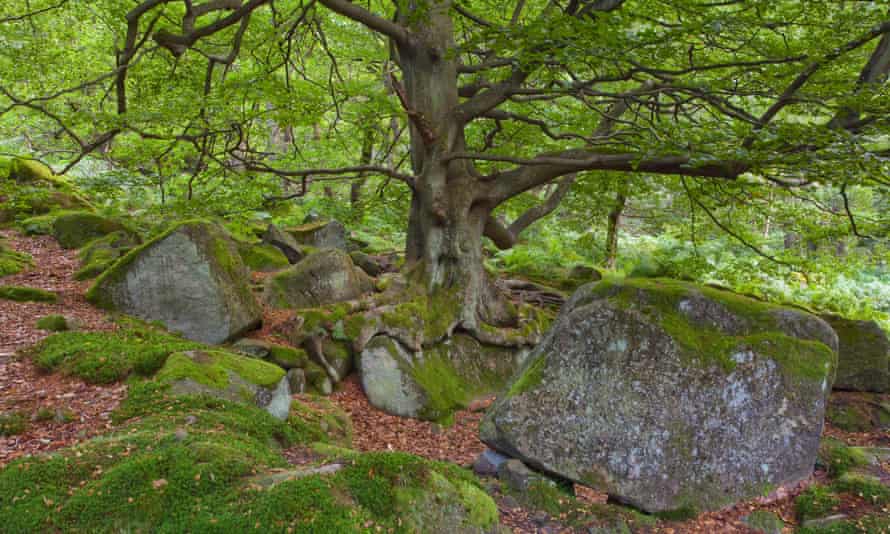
x=488, y=462
x=320, y=234
x=516, y=475
x=191, y=279
x=253, y=347
x=323, y=278
x=863, y=355
x=668, y=395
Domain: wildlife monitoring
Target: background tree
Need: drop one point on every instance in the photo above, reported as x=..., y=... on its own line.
x=498, y=99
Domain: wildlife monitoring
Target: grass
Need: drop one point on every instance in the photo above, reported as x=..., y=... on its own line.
x=13, y=423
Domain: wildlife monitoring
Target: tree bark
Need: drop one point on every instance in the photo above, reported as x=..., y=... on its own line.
x=612, y=230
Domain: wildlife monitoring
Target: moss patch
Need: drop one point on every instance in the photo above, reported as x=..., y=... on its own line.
x=184, y=464
x=747, y=324
x=27, y=294
x=815, y=502
x=263, y=257
x=105, y=357
x=74, y=230
x=211, y=368
x=12, y=262
x=12, y=423
x=52, y=323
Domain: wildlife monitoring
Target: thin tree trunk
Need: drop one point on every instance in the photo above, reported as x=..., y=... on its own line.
x=613, y=229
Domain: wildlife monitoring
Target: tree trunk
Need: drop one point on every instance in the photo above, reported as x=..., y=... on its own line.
x=449, y=204
x=612, y=231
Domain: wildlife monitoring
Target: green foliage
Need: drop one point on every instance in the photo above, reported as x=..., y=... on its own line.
x=27, y=294
x=12, y=262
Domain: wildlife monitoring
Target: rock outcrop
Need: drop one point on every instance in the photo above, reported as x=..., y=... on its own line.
x=863, y=358
x=76, y=229
x=190, y=278
x=670, y=396
x=320, y=234
x=325, y=277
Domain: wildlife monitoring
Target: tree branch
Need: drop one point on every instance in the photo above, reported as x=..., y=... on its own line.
x=505, y=237
x=394, y=31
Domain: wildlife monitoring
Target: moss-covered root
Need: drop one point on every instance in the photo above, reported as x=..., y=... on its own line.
x=27, y=294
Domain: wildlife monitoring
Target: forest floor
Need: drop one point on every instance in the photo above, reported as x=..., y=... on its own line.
x=73, y=410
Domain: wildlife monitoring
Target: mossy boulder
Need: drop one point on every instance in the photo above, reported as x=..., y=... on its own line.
x=320, y=234
x=29, y=188
x=190, y=278
x=263, y=257
x=670, y=396
x=54, y=323
x=863, y=362
x=434, y=383
x=74, y=230
x=228, y=376
x=859, y=412
x=325, y=277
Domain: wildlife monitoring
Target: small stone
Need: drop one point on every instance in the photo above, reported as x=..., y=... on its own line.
x=488, y=462
x=297, y=380
x=253, y=347
x=515, y=474
x=181, y=434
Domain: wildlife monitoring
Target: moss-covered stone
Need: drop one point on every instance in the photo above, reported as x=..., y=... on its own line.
x=76, y=229
x=263, y=257
x=434, y=383
x=29, y=188
x=99, y=254
x=858, y=412
x=863, y=355
x=53, y=323
x=27, y=294
x=288, y=357
x=191, y=278
x=323, y=278
x=185, y=464
x=320, y=234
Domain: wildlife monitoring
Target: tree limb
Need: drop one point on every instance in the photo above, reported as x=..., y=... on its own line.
x=505, y=237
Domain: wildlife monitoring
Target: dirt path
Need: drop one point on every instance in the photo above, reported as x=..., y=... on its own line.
x=69, y=410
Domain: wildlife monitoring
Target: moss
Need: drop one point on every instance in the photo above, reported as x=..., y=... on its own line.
x=38, y=225
x=851, y=415
x=869, y=524
x=755, y=328
x=53, y=323
x=288, y=357
x=12, y=423
x=105, y=357
x=263, y=257
x=838, y=458
x=27, y=294
x=211, y=368
x=12, y=262
x=445, y=390
x=76, y=229
x=99, y=254
x=320, y=422
x=815, y=502
x=530, y=377
x=763, y=521
x=682, y=513
x=865, y=486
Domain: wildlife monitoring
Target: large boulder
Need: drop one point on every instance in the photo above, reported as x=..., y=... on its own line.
x=863, y=358
x=325, y=277
x=433, y=383
x=320, y=234
x=190, y=278
x=670, y=396
x=228, y=376
x=28, y=188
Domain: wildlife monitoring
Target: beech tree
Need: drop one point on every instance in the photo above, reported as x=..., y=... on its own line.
x=502, y=98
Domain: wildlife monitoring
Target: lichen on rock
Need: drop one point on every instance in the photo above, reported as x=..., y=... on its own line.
x=670, y=396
